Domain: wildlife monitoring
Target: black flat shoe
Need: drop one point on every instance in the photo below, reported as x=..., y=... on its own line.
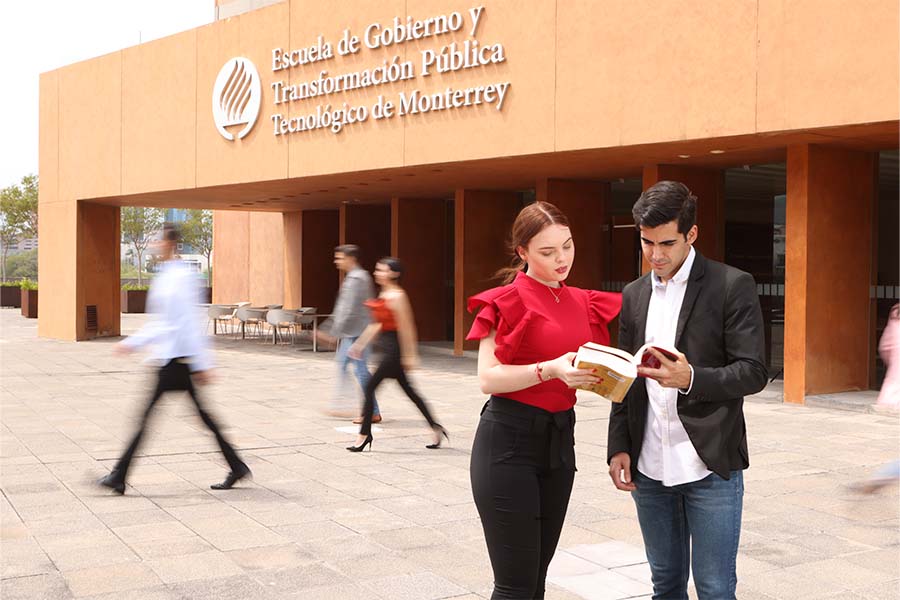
x=361, y=447
x=442, y=434
x=113, y=482
x=232, y=479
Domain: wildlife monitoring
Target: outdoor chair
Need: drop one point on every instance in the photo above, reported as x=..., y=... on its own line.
x=280, y=321
x=219, y=314
x=252, y=318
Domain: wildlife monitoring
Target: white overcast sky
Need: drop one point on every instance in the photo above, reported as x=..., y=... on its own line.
x=42, y=35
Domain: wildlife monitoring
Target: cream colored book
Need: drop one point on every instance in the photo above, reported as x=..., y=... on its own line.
x=616, y=368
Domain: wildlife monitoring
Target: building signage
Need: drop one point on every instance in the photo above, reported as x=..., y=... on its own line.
x=236, y=97
x=332, y=114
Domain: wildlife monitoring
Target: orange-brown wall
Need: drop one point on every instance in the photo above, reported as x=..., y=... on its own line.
x=584, y=204
x=292, y=223
x=320, y=235
x=583, y=76
x=483, y=221
x=369, y=227
x=248, y=261
x=708, y=186
x=419, y=240
x=98, y=233
x=830, y=200
x=231, y=257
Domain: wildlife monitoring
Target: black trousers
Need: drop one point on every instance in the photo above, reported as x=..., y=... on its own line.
x=522, y=470
x=175, y=376
x=390, y=367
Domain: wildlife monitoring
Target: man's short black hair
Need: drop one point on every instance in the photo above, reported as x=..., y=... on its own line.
x=351, y=250
x=664, y=202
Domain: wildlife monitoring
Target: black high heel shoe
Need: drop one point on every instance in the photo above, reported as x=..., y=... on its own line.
x=232, y=478
x=442, y=433
x=361, y=447
x=113, y=482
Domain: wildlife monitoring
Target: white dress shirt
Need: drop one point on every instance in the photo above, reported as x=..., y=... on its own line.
x=667, y=454
x=175, y=330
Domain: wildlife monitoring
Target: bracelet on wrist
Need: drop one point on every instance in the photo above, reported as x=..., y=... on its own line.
x=539, y=369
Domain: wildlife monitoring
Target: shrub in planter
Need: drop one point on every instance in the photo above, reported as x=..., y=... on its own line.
x=134, y=298
x=11, y=295
x=29, y=295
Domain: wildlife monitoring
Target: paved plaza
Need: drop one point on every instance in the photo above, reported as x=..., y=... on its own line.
x=319, y=523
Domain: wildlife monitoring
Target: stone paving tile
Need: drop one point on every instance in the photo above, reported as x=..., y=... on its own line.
x=331, y=592
x=151, y=593
x=114, y=578
x=418, y=586
x=315, y=530
x=298, y=578
x=409, y=537
x=22, y=558
x=49, y=586
x=188, y=567
x=399, y=522
x=881, y=591
x=224, y=588
x=271, y=557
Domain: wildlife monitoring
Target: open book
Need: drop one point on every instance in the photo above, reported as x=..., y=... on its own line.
x=616, y=368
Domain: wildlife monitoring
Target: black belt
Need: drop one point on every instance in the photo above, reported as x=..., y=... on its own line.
x=537, y=421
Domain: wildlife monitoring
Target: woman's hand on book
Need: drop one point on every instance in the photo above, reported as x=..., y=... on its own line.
x=561, y=368
x=671, y=373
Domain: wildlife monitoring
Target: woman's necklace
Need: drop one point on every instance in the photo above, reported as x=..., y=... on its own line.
x=555, y=297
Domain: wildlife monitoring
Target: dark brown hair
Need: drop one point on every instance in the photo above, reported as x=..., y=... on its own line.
x=664, y=202
x=394, y=265
x=531, y=221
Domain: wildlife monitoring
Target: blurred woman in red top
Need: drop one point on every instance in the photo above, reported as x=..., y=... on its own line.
x=523, y=455
x=393, y=323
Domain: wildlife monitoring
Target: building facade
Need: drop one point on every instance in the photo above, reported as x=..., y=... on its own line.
x=420, y=128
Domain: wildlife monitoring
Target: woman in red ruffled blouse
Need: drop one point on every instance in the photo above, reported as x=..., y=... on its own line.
x=523, y=455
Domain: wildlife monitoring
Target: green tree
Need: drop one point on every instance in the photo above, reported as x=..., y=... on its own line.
x=18, y=215
x=139, y=226
x=23, y=265
x=197, y=230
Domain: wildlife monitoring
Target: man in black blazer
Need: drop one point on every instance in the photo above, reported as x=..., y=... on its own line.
x=678, y=442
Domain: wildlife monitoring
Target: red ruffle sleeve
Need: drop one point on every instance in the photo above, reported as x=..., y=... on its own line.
x=603, y=307
x=501, y=309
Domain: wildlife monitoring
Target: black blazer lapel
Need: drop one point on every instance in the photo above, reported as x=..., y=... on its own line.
x=695, y=284
x=643, y=305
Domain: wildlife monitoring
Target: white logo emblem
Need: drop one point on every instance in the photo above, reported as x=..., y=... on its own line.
x=236, y=97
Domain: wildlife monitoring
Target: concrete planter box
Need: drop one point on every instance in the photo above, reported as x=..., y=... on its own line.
x=11, y=296
x=134, y=301
x=29, y=299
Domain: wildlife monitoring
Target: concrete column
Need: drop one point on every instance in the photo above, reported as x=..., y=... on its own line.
x=584, y=203
x=369, y=227
x=293, y=255
x=709, y=187
x=419, y=238
x=483, y=222
x=830, y=207
x=231, y=258
x=98, y=276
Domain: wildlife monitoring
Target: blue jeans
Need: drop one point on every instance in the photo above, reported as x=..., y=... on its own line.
x=360, y=367
x=703, y=517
